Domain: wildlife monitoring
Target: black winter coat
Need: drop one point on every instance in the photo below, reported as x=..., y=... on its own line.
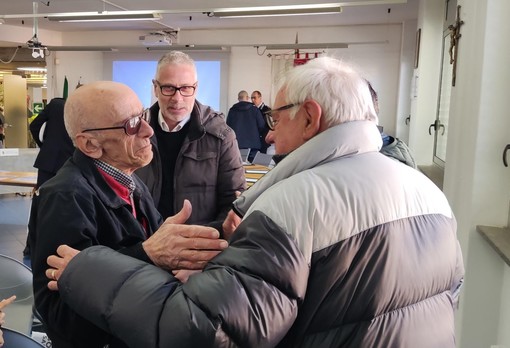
x=77, y=207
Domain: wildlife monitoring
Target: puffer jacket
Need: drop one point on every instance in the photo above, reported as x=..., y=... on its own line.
x=339, y=246
x=398, y=150
x=208, y=169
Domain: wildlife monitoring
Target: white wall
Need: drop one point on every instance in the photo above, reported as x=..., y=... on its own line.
x=423, y=107
x=245, y=72
x=249, y=71
x=476, y=182
x=76, y=66
x=405, y=81
x=381, y=62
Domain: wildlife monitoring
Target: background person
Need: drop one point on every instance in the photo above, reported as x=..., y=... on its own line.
x=392, y=147
x=195, y=153
x=256, y=98
x=49, y=132
x=247, y=122
x=55, y=144
x=95, y=199
x=2, y=129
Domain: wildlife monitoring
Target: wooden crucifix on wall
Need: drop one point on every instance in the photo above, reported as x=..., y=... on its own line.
x=454, y=43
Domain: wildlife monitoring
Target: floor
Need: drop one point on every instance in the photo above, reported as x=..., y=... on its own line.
x=434, y=173
x=14, y=212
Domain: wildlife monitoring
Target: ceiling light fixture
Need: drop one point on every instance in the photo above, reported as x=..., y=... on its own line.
x=105, y=16
x=191, y=47
x=81, y=49
x=38, y=53
x=30, y=68
x=304, y=46
x=269, y=11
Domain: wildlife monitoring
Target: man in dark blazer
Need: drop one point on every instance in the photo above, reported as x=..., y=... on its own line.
x=256, y=98
x=49, y=132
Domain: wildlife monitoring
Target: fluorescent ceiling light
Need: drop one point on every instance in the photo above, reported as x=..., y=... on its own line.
x=268, y=11
x=187, y=48
x=105, y=16
x=304, y=46
x=35, y=69
x=81, y=49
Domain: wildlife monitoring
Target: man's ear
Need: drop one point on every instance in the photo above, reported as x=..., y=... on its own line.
x=89, y=145
x=155, y=86
x=313, y=116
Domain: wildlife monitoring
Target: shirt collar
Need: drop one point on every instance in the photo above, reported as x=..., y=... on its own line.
x=122, y=178
x=164, y=126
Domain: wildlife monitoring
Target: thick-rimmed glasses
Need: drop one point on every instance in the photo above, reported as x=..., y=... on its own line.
x=271, y=122
x=131, y=126
x=169, y=90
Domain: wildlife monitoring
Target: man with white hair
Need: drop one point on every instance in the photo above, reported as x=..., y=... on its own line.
x=195, y=153
x=339, y=246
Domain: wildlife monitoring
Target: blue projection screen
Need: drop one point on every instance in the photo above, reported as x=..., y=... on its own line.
x=139, y=74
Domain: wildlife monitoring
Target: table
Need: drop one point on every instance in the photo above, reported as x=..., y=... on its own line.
x=254, y=172
x=24, y=179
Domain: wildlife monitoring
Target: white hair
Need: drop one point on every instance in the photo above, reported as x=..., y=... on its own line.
x=339, y=89
x=174, y=57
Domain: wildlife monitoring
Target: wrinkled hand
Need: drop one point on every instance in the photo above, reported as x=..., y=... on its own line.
x=4, y=303
x=175, y=246
x=58, y=264
x=230, y=224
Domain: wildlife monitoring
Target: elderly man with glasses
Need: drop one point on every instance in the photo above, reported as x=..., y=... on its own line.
x=96, y=200
x=196, y=156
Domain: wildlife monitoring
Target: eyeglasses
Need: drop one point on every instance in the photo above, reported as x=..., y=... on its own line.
x=169, y=90
x=131, y=126
x=271, y=122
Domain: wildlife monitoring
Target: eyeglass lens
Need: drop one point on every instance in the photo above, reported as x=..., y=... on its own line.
x=186, y=91
x=132, y=126
x=269, y=120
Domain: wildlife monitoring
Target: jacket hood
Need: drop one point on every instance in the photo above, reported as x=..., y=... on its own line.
x=242, y=105
x=344, y=140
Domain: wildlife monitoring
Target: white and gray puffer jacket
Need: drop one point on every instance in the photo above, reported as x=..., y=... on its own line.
x=339, y=246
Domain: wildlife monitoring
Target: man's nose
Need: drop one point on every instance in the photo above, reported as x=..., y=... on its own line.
x=270, y=137
x=177, y=96
x=146, y=130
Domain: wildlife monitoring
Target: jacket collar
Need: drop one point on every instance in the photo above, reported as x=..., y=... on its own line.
x=203, y=119
x=91, y=173
x=344, y=140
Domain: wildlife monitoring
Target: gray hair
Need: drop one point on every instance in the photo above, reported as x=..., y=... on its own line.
x=339, y=89
x=174, y=57
x=243, y=95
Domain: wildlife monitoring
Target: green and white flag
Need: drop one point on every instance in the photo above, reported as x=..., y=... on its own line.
x=66, y=88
